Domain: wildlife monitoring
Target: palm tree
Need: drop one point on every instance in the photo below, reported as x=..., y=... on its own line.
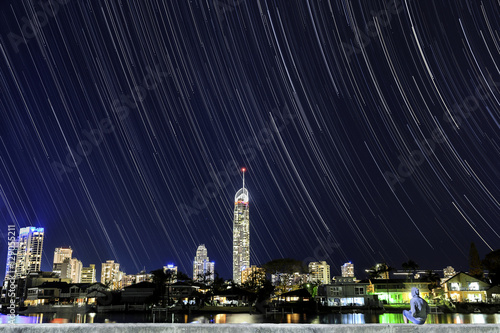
x=373, y=272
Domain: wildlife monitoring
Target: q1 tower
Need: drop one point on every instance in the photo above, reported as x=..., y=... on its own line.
x=241, y=232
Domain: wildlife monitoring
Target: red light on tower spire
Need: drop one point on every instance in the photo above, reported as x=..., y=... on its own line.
x=243, y=170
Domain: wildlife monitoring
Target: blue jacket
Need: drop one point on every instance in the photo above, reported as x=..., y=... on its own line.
x=419, y=307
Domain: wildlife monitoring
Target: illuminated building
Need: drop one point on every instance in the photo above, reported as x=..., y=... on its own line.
x=131, y=279
x=110, y=274
x=347, y=269
x=449, y=272
x=60, y=253
x=29, y=251
x=88, y=274
x=465, y=288
x=76, y=270
x=241, y=232
x=203, y=269
x=319, y=271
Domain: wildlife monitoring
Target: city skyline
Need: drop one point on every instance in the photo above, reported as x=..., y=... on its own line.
x=369, y=132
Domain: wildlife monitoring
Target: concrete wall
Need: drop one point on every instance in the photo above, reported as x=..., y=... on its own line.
x=247, y=328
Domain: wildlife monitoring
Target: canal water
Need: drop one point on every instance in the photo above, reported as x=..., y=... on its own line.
x=296, y=318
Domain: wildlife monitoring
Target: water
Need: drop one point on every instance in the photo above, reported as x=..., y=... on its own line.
x=295, y=318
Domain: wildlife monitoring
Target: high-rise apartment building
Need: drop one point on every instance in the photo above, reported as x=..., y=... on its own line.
x=29, y=251
x=203, y=269
x=347, y=269
x=88, y=274
x=76, y=270
x=61, y=253
x=241, y=232
x=319, y=271
x=110, y=274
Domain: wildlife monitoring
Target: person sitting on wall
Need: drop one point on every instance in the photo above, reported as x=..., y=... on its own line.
x=419, y=309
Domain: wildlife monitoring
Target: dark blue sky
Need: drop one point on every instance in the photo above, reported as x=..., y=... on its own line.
x=369, y=129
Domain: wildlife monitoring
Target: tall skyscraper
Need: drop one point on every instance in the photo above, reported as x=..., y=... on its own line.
x=203, y=269
x=347, y=269
x=88, y=274
x=29, y=251
x=61, y=253
x=241, y=232
x=320, y=271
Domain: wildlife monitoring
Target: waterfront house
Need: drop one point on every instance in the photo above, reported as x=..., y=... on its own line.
x=233, y=297
x=345, y=291
x=493, y=294
x=56, y=292
x=137, y=293
x=463, y=287
x=299, y=295
x=397, y=291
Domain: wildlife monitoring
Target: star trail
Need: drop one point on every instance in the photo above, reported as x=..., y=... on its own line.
x=369, y=129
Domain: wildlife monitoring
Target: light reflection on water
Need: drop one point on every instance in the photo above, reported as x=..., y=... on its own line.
x=291, y=318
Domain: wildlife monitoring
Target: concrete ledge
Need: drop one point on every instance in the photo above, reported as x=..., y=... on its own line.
x=249, y=328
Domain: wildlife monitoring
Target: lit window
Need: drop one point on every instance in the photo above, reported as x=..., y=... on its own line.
x=473, y=286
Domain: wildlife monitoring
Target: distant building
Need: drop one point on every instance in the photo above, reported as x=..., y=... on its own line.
x=76, y=270
x=347, y=269
x=241, y=232
x=65, y=269
x=319, y=271
x=60, y=253
x=449, y=272
x=88, y=274
x=288, y=282
x=131, y=279
x=253, y=272
x=203, y=269
x=110, y=274
x=29, y=251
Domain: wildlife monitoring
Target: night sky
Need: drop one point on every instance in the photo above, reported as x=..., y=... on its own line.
x=369, y=129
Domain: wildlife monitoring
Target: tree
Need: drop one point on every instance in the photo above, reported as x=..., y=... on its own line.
x=205, y=278
x=379, y=270
x=265, y=291
x=159, y=279
x=180, y=276
x=374, y=272
x=433, y=278
x=410, y=266
x=255, y=280
x=475, y=268
x=491, y=262
x=285, y=270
